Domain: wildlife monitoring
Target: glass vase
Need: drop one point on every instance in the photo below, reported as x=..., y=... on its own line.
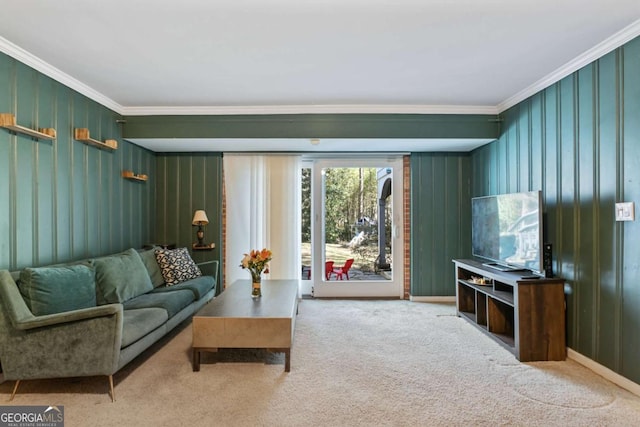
x=256, y=291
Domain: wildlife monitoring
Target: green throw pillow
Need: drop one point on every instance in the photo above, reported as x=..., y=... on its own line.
x=149, y=260
x=121, y=277
x=49, y=290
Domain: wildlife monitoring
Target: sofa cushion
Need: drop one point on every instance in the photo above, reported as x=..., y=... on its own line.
x=199, y=286
x=149, y=259
x=177, y=266
x=49, y=290
x=138, y=323
x=121, y=277
x=172, y=302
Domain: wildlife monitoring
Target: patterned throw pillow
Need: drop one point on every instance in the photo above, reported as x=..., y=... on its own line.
x=177, y=266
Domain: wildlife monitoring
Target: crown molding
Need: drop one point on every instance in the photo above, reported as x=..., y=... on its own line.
x=49, y=70
x=618, y=39
x=598, y=51
x=309, y=109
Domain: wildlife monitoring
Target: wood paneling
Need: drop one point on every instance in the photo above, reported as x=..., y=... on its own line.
x=186, y=183
x=627, y=294
x=579, y=142
x=64, y=200
x=440, y=220
x=541, y=321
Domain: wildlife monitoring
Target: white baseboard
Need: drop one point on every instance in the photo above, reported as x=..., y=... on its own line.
x=432, y=299
x=605, y=372
x=599, y=369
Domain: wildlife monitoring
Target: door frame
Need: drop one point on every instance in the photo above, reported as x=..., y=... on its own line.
x=357, y=288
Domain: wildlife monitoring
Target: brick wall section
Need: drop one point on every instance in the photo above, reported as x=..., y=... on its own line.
x=224, y=229
x=406, y=205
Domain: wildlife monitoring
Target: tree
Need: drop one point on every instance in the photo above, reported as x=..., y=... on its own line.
x=350, y=194
x=339, y=206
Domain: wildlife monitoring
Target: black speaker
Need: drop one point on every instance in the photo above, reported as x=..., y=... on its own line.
x=547, y=260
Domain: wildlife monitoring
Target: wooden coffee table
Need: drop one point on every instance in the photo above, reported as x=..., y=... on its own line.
x=235, y=320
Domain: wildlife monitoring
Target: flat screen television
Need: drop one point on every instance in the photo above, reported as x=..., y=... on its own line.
x=506, y=230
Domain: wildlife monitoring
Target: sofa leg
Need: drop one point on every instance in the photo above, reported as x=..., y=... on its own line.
x=111, y=391
x=15, y=388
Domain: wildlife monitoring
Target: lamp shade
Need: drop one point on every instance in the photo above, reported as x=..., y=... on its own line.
x=200, y=218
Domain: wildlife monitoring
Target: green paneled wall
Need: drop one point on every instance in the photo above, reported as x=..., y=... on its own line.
x=440, y=220
x=579, y=142
x=61, y=199
x=186, y=183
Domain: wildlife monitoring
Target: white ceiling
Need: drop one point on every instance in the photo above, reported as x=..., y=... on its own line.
x=312, y=56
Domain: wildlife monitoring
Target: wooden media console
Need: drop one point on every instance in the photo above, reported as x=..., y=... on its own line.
x=526, y=316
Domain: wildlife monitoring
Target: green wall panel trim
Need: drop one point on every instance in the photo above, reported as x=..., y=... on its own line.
x=440, y=220
x=64, y=200
x=314, y=126
x=606, y=154
x=185, y=183
x=628, y=292
x=579, y=141
x=584, y=213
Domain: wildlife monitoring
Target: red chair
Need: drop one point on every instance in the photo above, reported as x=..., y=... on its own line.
x=344, y=270
x=328, y=269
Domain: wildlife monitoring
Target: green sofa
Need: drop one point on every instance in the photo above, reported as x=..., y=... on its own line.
x=92, y=317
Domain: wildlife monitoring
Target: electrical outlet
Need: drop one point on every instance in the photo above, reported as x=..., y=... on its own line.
x=625, y=211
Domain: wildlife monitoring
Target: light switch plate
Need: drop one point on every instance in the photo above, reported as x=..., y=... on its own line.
x=625, y=211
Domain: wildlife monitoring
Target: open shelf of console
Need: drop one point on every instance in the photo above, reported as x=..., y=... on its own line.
x=525, y=316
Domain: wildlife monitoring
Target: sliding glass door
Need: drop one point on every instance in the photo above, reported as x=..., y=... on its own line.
x=355, y=215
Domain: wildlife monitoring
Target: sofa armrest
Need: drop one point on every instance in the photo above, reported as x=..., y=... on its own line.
x=210, y=268
x=30, y=322
x=77, y=343
x=22, y=318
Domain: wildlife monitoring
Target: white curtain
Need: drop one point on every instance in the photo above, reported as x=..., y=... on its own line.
x=263, y=211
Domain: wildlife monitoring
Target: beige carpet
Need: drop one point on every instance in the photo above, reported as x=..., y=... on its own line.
x=369, y=363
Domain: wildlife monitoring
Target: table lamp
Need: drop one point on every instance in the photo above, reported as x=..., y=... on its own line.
x=200, y=219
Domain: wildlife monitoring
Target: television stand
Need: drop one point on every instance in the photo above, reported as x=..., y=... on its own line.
x=526, y=316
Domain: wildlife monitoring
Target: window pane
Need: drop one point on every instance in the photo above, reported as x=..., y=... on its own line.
x=357, y=223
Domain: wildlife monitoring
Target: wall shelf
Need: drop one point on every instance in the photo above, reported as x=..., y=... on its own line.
x=82, y=135
x=8, y=121
x=206, y=247
x=127, y=174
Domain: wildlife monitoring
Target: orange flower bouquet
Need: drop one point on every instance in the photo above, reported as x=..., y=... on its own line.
x=257, y=262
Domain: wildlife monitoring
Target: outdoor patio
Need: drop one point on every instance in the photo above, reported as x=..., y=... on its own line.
x=354, y=274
